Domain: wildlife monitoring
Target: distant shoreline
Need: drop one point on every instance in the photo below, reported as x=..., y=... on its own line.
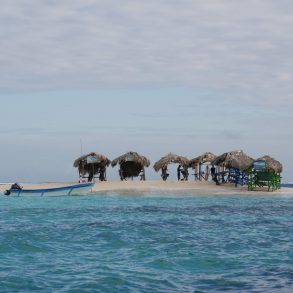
x=287, y=185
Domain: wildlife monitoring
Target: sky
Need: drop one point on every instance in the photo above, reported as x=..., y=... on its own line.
x=182, y=76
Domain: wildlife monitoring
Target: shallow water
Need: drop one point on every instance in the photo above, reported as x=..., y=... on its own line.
x=146, y=244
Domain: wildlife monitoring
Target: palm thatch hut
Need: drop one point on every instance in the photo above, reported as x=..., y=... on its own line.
x=132, y=165
x=91, y=165
x=207, y=157
x=196, y=164
x=236, y=159
x=271, y=164
x=235, y=166
x=163, y=163
x=265, y=172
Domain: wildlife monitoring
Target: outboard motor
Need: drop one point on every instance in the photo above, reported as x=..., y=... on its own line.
x=7, y=192
x=14, y=186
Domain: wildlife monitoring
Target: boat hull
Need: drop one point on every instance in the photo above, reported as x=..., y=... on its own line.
x=78, y=189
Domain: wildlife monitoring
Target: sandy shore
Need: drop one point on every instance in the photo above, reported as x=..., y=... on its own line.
x=158, y=188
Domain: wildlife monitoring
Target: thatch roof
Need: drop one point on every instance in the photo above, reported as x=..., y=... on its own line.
x=171, y=158
x=272, y=164
x=131, y=157
x=236, y=159
x=204, y=158
x=92, y=158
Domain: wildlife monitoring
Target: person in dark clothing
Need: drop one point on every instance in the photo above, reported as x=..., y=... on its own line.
x=102, y=172
x=142, y=175
x=185, y=173
x=179, y=169
x=91, y=176
x=121, y=175
x=214, y=175
x=165, y=173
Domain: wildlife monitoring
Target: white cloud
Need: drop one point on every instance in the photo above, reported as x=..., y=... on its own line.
x=241, y=47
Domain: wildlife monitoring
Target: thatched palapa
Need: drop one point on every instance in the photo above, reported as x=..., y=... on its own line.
x=169, y=159
x=236, y=159
x=272, y=164
x=203, y=159
x=92, y=164
x=131, y=164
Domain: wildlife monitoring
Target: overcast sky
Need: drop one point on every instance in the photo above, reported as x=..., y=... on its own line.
x=150, y=76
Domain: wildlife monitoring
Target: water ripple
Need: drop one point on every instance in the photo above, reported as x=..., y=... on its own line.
x=146, y=244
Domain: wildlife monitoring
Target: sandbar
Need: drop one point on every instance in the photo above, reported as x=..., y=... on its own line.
x=157, y=187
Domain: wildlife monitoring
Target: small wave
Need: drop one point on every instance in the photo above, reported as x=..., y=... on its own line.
x=146, y=244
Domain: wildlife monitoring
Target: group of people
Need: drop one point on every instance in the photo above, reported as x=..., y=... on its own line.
x=183, y=171
x=101, y=175
x=123, y=176
x=180, y=171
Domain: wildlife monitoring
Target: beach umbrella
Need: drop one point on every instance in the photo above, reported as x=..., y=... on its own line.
x=169, y=159
x=197, y=162
x=131, y=164
x=236, y=159
x=92, y=164
x=272, y=164
x=207, y=157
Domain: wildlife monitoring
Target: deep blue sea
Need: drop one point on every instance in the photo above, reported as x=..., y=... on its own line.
x=147, y=244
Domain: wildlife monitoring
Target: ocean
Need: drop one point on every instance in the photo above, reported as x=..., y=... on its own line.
x=288, y=185
x=147, y=244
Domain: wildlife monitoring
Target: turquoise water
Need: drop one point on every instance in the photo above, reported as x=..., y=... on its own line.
x=146, y=244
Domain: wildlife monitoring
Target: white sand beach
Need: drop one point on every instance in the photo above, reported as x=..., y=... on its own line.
x=157, y=187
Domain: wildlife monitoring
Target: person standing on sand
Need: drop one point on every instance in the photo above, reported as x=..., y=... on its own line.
x=91, y=176
x=121, y=175
x=214, y=175
x=179, y=169
x=102, y=172
x=165, y=173
x=185, y=173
